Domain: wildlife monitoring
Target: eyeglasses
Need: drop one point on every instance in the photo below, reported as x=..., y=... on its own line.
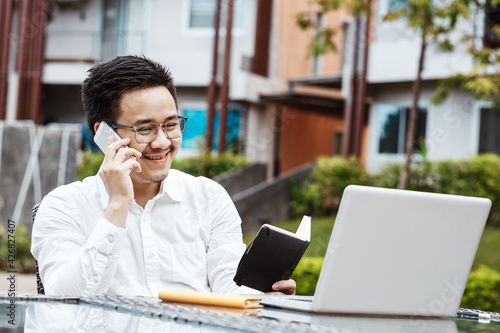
x=146, y=133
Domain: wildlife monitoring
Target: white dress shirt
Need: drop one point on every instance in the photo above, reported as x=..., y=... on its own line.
x=187, y=237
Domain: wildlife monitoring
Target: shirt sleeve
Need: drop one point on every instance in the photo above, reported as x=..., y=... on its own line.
x=70, y=263
x=225, y=246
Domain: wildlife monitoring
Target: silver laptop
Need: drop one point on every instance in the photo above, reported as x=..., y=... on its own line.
x=395, y=252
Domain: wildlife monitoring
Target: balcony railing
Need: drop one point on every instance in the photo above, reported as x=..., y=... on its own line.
x=92, y=46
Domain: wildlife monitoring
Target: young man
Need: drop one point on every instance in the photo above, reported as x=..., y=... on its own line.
x=138, y=227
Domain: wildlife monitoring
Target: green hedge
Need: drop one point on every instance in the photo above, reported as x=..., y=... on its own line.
x=207, y=165
x=306, y=275
x=320, y=194
x=24, y=261
x=478, y=177
x=90, y=165
x=482, y=291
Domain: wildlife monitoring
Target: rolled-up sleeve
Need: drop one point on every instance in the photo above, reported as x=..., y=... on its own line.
x=70, y=262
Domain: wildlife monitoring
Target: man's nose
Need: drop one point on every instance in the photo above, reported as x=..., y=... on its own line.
x=162, y=140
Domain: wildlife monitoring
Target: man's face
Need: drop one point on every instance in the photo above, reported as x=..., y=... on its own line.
x=149, y=105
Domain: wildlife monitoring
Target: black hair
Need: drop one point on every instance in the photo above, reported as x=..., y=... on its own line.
x=107, y=82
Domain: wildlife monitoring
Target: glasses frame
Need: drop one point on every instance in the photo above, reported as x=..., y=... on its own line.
x=163, y=126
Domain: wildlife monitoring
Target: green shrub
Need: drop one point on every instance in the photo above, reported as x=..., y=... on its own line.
x=306, y=275
x=478, y=177
x=90, y=165
x=483, y=290
x=209, y=165
x=203, y=165
x=422, y=176
x=320, y=194
x=24, y=261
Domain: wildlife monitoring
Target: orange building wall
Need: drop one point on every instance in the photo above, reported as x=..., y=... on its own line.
x=294, y=42
x=305, y=137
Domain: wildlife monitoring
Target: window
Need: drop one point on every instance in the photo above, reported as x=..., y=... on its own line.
x=393, y=123
x=194, y=135
x=122, y=32
x=201, y=13
x=491, y=19
x=396, y=4
x=337, y=142
x=489, y=136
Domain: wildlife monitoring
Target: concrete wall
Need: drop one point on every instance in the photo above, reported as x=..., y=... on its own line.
x=268, y=202
x=34, y=160
x=249, y=176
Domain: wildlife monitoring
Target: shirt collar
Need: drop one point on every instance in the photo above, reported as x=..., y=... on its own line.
x=168, y=186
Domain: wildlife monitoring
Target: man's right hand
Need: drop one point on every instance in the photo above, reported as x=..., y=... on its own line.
x=115, y=173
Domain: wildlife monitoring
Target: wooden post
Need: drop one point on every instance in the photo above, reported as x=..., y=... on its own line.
x=225, y=83
x=212, y=88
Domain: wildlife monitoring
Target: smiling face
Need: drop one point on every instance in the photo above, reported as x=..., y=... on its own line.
x=149, y=105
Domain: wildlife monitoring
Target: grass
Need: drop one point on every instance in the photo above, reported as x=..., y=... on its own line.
x=488, y=252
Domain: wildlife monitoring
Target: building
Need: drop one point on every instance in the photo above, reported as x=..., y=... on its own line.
x=459, y=128
x=179, y=34
x=285, y=107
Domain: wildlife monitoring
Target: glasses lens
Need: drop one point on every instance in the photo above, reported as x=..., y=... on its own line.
x=146, y=132
x=174, y=128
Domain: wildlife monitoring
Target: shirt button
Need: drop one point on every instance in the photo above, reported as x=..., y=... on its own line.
x=151, y=255
x=96, y=279
x=111, y=239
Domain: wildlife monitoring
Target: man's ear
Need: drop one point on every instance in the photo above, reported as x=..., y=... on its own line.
x=96, y=126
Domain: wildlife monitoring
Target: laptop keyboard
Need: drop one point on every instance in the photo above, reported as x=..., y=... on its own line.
x=481, y=316
x=289, y=297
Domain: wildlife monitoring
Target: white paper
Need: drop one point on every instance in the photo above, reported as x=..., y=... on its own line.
x=304, y=230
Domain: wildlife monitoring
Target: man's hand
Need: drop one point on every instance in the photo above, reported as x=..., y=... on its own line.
x=284, y=287
x=115, y=173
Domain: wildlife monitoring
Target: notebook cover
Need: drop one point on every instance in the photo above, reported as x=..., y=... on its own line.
x=271, y=257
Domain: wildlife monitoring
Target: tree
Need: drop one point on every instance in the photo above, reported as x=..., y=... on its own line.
x=483, y=80
x=432, y=21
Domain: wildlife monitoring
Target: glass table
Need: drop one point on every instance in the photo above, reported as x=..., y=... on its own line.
x=36, y=313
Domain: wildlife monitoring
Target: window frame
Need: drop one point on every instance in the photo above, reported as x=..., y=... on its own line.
x=403, y=111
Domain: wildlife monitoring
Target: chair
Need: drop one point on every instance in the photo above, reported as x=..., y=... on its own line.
x=39, y=284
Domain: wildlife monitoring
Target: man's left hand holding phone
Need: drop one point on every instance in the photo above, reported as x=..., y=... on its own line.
x=119, y=160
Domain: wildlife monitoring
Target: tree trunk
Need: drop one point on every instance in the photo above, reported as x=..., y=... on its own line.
x=413, y=119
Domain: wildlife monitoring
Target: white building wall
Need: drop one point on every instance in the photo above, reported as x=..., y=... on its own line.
x=452, y=128
x=262, y=127
x=75, y=34
x=72, y=34
x=395, y=50
x=188, y=51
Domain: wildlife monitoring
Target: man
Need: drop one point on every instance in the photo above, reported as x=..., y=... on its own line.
x=138, y=227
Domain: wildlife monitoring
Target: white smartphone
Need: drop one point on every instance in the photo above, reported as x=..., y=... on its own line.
x=101, y=137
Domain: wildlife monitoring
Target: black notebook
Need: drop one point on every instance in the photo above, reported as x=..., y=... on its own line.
x=272, y=256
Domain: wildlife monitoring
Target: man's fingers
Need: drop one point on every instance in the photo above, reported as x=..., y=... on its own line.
x=125, y=153
x=132, y=164
x=285, y=286
x=114, y=145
